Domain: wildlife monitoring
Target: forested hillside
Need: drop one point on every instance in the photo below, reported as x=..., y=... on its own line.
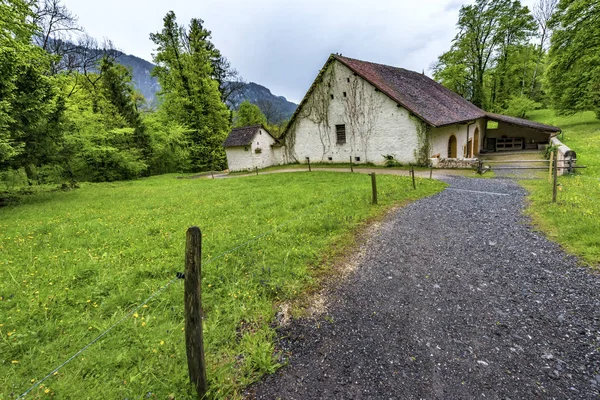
x=508, y=58
x=69, y=111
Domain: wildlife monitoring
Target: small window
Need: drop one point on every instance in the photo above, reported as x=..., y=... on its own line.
x=331, y=97
x=357, y=159
x=330, y=158
x=344, y=94
x=492, y=125
x=340, y=132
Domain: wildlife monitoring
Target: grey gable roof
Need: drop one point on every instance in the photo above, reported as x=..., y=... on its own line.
x=243, y=136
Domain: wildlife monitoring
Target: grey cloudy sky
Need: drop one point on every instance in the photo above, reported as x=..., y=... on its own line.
x=282, y=44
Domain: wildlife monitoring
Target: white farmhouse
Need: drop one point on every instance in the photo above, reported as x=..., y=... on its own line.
x=362, y=111
x=252, y=147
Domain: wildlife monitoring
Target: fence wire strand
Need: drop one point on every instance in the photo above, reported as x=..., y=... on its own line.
x=84, y=348
x=166, y=286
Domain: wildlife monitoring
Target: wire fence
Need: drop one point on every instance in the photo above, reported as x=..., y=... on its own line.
x=179, y=275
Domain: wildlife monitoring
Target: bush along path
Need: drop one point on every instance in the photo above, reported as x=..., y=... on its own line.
x=456, y=297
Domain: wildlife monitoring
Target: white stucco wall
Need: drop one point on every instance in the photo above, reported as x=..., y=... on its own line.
x=375, y=125
x=245, y=158
x=440, y=137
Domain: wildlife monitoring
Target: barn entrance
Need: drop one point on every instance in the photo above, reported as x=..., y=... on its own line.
x=509, y=134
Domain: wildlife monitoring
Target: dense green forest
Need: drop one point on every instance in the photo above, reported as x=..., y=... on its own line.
x=69, y=112
x=509, y=59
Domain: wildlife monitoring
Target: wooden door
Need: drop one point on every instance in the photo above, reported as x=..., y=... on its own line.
x=452, y=147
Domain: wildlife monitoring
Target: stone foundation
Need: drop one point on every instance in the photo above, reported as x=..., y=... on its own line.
x=454, y=163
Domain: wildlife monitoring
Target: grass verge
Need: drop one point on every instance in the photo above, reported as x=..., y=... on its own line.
x=574, y=221
x=73, y=263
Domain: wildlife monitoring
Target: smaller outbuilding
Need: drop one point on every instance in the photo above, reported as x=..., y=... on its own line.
x=252, y=147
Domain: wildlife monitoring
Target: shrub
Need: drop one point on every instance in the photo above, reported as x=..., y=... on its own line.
x=390, y=161
x=519, y=106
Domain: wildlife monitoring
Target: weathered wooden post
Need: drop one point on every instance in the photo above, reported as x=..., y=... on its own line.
x=308, y=161
x=430, y=172
x=480, y=167
x=193, y=311
x=256, y=168
x=555, y=183
x=351, y=166
x=374, y=187
x=412, y=173
x=550, y=167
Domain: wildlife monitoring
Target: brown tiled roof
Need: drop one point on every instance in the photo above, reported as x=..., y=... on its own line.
x=243, y=136
x=522, y=122
x=430, y=101
x=421, y=95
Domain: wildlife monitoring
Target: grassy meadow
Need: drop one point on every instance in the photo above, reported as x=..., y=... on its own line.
x=574, y=221
x=74, y=263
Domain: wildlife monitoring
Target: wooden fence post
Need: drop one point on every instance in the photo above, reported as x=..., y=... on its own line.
x=374, y=187
x=550, y=167
x=430, y=172
x=412, y=173
x=308, y=161
x=351, y=167
x=193, y=311
x=555, y=183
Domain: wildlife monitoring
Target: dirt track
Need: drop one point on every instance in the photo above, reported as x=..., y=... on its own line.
x=455, y=298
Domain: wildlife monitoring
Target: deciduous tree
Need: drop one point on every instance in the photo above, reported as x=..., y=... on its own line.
x=574, y=70
x=190, y=92
x=249, y=114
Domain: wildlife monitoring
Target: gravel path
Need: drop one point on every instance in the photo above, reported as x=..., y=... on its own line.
x=456, y=298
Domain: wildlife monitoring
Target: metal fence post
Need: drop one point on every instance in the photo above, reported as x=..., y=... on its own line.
x=193, y=311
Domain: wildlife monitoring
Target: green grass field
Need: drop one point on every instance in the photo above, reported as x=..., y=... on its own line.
x=574, y=221
x=73, y=263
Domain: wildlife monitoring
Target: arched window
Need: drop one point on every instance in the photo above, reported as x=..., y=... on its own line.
x=452, y=147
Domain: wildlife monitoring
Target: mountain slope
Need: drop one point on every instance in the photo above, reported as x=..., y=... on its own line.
x=146, y=84
x=276, y=108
